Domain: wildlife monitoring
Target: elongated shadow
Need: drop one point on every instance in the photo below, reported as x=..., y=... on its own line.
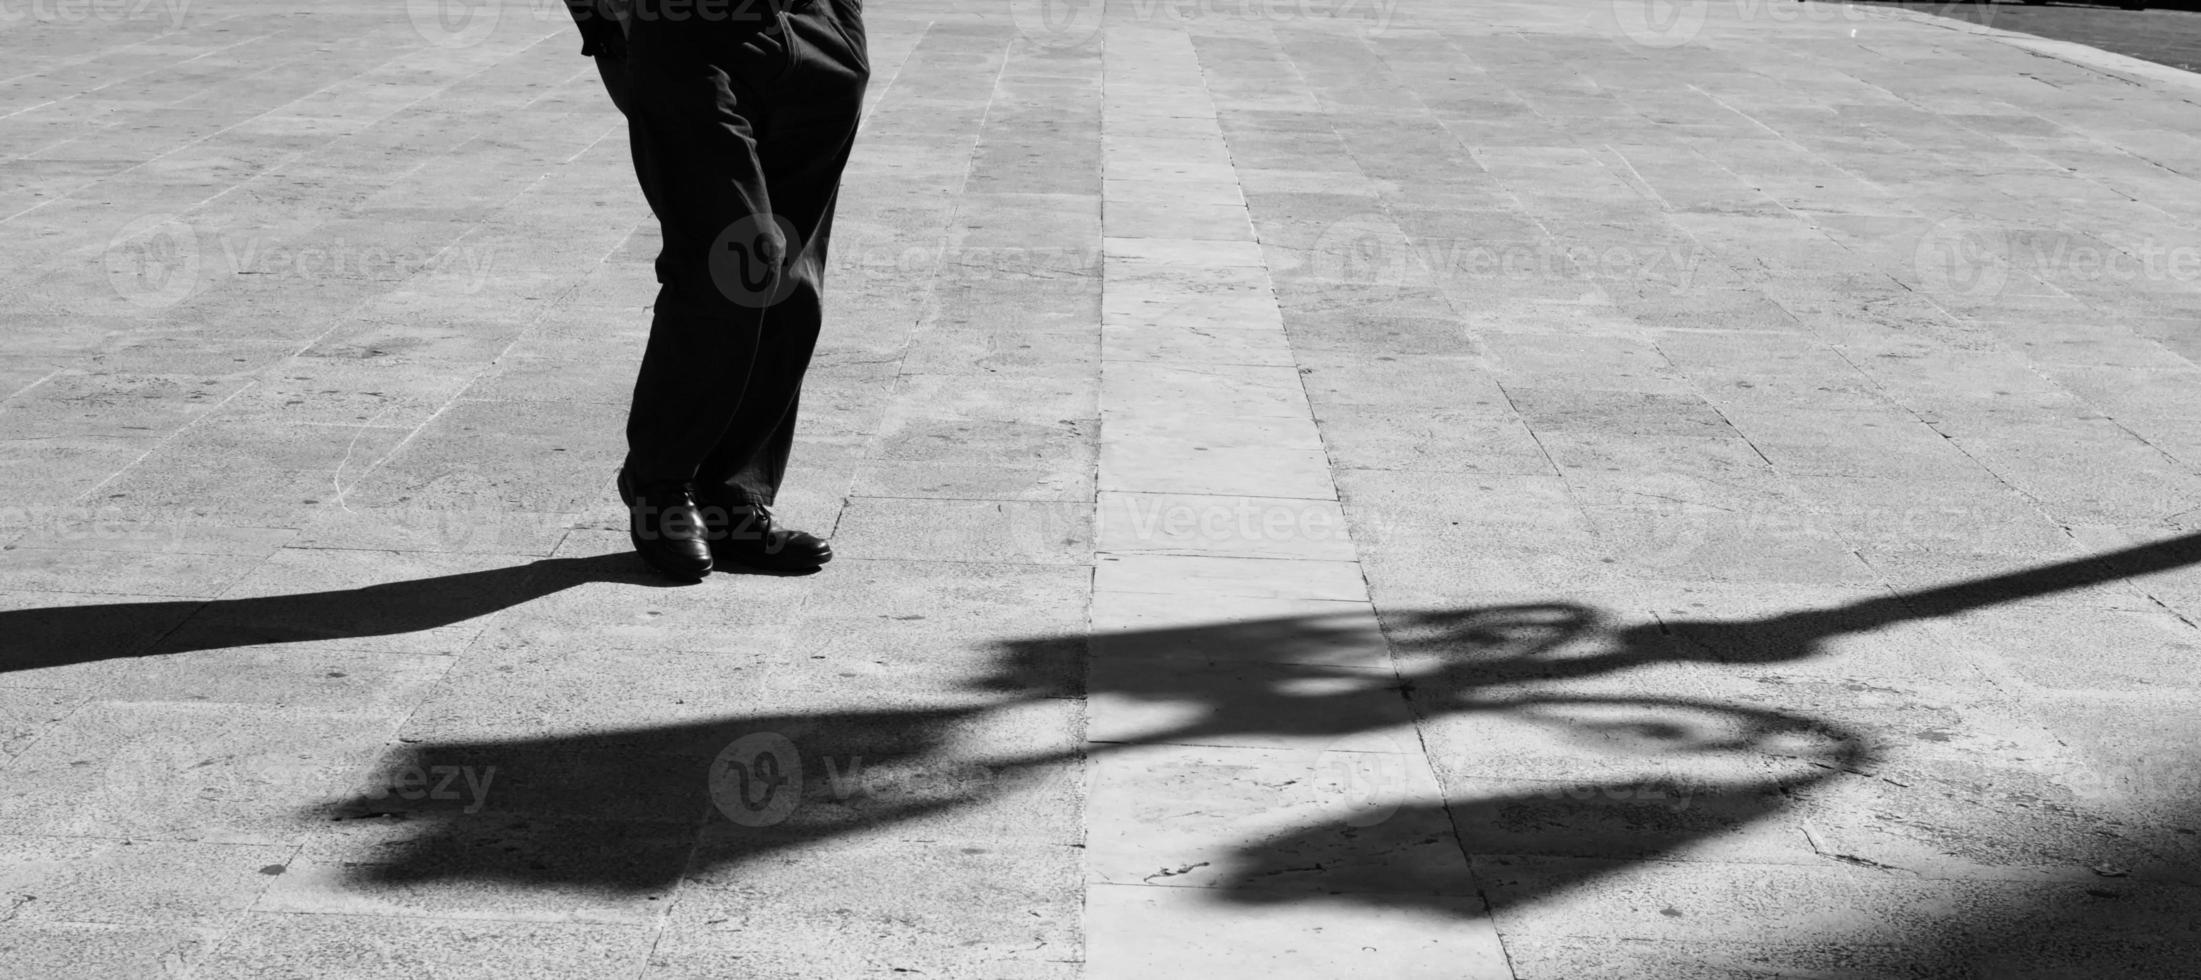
x=2059, y=909
x=632, y=810
x=61, y=635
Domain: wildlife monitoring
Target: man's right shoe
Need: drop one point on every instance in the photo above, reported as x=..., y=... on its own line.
x=666, y=528
x=746, y=534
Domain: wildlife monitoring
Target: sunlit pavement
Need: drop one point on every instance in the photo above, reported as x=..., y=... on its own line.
x=1321, y=489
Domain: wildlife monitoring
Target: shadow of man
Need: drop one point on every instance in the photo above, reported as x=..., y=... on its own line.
x=57, y=636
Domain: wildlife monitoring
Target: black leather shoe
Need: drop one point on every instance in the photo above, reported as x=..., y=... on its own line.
x=666, y=528
x=744, y=534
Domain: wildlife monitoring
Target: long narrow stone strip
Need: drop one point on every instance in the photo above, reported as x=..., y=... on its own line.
x=1236, y=659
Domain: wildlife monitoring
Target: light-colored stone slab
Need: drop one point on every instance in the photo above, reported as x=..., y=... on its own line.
x=1278, y=456
x=1158, y=931
x=1125, y=339
x=1038, y=532
x=1357, y=816
x=1249, y=577
x=1232, y=391
x=1181, y=253
x=1252, y=527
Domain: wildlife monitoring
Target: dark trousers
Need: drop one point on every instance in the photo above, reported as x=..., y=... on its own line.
x=740, y=127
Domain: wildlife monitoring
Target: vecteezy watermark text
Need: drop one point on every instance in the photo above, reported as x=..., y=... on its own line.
x=443, y=783
x=1241, y=520
x=93, y=11
x=1964, y=259
x=1077, y=23
x=153, y=529
x=762, y=779
x=1672, y=23
x=149, y=769
x=464, y=23
x=1369, y=248
x=160, y=260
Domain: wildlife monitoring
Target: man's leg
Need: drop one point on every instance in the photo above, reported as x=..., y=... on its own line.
x=751, y=459
x=809, y=131
x=803, y=145
x=694, y=111
x=697, y=118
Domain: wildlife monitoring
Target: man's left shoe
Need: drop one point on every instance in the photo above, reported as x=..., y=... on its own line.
x=666, y=527
x=745, y=534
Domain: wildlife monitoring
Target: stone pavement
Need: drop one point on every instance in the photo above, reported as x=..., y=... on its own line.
x=1529, y=488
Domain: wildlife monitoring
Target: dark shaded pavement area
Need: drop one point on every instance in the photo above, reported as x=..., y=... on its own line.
x=2168, y=32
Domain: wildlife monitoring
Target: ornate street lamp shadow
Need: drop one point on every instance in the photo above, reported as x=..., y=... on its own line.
x=632, y=810
x=619, y=809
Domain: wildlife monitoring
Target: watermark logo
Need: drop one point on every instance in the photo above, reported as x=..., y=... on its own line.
x=1064, y=24
x=1188, y=521
x=749, y=260
x=159, y=260
x=1673, y=794
x=466, y=265
x=1673, y=23
x=1369, y=248
x=1370, y=17
x=1367, y=774
x=153, y=261
x=1661, y=23
x=453, y=23
x=2146, y=778
x=1057, y=24
x=756, y=780
x=438, y=529
x=1666, y=521
x=415, y=783
x=149, y=776
x=147, y=770
x=1362, y=248
x=1962, y=259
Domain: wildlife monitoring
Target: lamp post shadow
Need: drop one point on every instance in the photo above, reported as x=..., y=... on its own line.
x=623, y=810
